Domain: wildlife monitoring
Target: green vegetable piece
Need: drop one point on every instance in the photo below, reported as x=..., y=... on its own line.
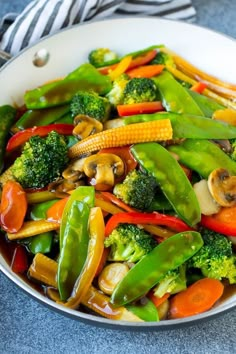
x=206, y=104
x=73, y=250
x=7, y=116
x=41, y=243
x=145, y=274
x=203, y=156
x=129, y=243
x=41, y=161
x=74, y=238
x=216, y=258
x=90, y=104
x=137, y=189
x=160, y=203
x=147, y=312
x=139, y=90
x=83, y=194
x=173, y=182
x=189, y=126
x=66, y=119
x=39, y=211
x=100, y=57
x=85, y=77
x=175, y=98
x=41, y=117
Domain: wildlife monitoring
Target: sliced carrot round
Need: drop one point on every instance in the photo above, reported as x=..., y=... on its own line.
x=197, y=298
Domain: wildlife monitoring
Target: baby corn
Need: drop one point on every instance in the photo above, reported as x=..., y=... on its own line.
x=32, y=228
x=125, y=135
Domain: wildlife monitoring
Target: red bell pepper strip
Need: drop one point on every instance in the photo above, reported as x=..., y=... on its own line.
x=24, y=135
x=154, y=218
x=139, y=108
x=223, y=222
x=143, y=59
x=138, y=61
x=145, y=71
x=19, y=263
x=199, y=87
x=13, y=207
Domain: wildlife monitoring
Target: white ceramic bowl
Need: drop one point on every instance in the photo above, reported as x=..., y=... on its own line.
x=208, y=50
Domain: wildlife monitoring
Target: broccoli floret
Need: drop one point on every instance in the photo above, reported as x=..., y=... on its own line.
x=129, y=243
x=137, y=189
x=140, y=90
x=173, y=282
x=116, y=95
x=102, y=56
x=90, y=104
x=41, y=161
x=163, y=58
x=215, y=259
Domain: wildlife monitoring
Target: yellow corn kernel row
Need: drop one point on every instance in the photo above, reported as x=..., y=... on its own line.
x=32, y=228
x=159, y=130
x=44, y=270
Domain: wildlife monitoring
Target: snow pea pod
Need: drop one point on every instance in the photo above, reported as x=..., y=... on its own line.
x=85, y=77
x=74, y=239
x=82, y=194
x=145, y=274
x=73, y=251
x=206, y=104
x=203, y=156
x=158, y=162
x=7, y=116
x=188, y=126
x=41, y=117
x=175, y=98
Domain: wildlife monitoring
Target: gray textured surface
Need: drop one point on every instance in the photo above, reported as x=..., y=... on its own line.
x=28, y=327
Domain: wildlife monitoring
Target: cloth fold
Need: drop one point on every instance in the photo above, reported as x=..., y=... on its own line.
x=43, y=17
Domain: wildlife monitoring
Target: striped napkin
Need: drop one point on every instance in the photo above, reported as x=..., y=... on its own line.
x=43, y=17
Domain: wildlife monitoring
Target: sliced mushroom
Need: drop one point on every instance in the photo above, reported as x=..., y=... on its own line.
x=222, y=187
x=62, y=186
x=75, y=170
x=104, y=168
x=85, y=126
x=208, y=205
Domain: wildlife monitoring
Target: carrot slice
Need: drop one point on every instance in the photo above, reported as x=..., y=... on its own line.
x=145, y=71
x=197, y=298
x=158, y=300
x=54, y=213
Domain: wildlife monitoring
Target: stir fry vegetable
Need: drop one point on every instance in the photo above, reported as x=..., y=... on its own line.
x=118, y=186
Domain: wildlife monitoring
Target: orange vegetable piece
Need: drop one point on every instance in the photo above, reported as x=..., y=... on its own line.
x=197, y=298
x=13, y=207
x=54, y=213
x=146, y=71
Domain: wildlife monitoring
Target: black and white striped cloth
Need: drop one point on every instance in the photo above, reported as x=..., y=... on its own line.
x=42, y=17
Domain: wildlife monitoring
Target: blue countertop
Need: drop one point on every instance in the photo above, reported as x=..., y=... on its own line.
x=28, y=327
